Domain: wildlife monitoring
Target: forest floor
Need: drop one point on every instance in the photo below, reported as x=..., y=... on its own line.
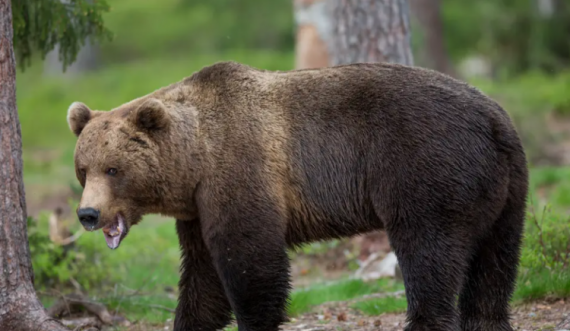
x=338, y=316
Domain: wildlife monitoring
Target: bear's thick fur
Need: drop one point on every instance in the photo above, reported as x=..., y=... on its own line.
x=251, y=162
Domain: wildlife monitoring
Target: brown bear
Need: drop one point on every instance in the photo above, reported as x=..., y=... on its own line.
x=252, y=162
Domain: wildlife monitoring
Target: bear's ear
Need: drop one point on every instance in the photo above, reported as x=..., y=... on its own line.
x=151, y=115
x=78, y=115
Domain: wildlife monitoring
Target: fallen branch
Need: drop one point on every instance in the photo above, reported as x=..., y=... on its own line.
x=82, y=323
x=69, y=304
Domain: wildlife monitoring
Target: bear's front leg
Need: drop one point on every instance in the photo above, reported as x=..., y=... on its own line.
x=246, y=238
x=202, y=301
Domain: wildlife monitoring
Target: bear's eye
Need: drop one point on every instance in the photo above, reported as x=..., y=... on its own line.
x=82, y=172
x=111, y=171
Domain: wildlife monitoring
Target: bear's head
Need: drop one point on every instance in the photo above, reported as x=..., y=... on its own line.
x=117, y=162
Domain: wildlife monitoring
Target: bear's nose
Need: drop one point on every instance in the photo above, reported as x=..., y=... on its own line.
x=89, y=217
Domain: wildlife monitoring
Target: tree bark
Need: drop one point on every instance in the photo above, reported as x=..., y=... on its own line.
x=20, y=308
x=370, y=31
x=333, y=32
x=428, y=15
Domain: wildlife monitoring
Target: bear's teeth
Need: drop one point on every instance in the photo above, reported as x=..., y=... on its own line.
x=112, y=242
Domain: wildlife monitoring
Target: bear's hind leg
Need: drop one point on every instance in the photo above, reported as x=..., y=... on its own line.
x=202, y=301
x=490, y=282
x=432, y=255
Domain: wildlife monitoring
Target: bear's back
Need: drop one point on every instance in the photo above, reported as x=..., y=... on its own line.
x=334, y=140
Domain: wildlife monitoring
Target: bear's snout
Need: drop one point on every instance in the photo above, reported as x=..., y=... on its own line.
x=89, y=217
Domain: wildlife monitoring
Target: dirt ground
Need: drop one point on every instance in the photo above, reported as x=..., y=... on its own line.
x=543, y=316
x=338, y=317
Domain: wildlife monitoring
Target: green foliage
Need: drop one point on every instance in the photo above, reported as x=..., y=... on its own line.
x=151, y=308
x=40, y=25
x=539, y=284
x=146, y=29
x=131, y=280
x=57, y=267
x=510, y=33
x=547, y=244
x=529, y=99
x=303, y=299
x=545, y=259
x=246, y=23
x=389, y=304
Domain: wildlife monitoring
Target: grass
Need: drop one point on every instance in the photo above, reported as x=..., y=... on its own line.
x=382, y=305
x=542, y=284
x=304, y=299
x=150, y=308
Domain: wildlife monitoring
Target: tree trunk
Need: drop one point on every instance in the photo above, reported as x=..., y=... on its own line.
x=335, y=32
x=370, y=31
x=428, y=15
x=20, y=308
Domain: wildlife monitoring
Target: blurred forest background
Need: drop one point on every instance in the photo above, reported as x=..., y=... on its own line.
x=517, y=51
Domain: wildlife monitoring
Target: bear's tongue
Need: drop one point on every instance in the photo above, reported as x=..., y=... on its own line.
x=113, y=232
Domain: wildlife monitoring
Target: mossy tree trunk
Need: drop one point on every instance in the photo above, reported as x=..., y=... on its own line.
x=20, y=308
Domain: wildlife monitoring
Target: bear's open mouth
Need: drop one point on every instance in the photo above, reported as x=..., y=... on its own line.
x=115, y=231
